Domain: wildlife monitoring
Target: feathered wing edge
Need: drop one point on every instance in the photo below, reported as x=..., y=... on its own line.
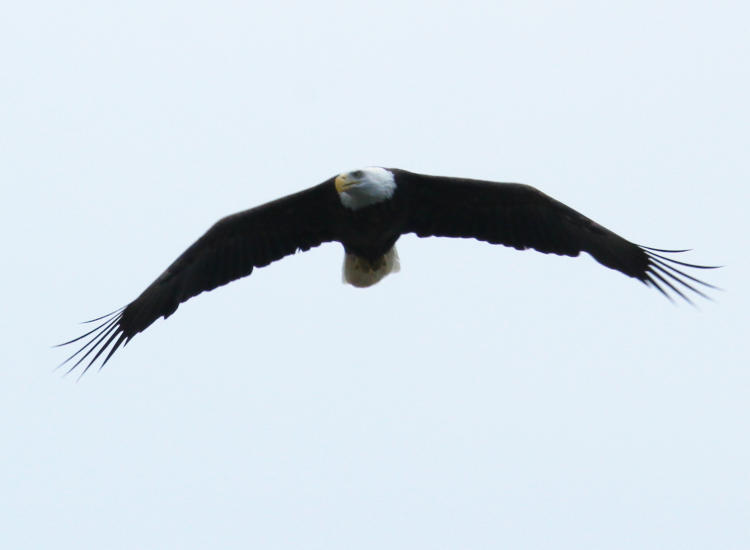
x=231, y=249
x=104, y=334
x=664, y=273
x=521, y=216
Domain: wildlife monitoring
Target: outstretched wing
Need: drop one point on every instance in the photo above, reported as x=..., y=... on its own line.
x=231, y=249
x=521, y=216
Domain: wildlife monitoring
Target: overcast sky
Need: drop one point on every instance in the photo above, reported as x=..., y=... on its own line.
x=481, y=398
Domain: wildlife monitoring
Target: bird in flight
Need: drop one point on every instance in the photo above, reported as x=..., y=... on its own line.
x=367, y=211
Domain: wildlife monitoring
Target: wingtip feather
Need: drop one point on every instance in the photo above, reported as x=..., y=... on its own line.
x=662, y=268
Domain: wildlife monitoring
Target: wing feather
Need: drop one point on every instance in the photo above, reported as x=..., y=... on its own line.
x=229, y=250
x=523, y=217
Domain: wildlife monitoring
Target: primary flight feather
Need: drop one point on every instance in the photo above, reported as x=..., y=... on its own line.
x=367, y=211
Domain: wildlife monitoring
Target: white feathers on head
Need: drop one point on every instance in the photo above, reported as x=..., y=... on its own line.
x=360, y=188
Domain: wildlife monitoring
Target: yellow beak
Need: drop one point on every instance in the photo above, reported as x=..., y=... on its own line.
x=342, y=183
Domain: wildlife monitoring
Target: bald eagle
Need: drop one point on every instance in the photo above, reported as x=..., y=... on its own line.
x=367, y=211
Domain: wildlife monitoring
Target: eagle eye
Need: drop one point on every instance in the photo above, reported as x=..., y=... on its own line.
x=358, y=174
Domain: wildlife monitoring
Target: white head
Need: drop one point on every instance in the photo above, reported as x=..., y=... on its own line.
x=365, y=187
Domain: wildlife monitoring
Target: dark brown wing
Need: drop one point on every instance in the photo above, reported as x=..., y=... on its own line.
x=229, y=250
x=523, y=217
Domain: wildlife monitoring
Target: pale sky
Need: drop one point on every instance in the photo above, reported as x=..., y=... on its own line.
x=482, y=397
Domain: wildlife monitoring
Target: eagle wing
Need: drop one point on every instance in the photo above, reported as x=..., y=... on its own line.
x=229, y=250
x=521, y=216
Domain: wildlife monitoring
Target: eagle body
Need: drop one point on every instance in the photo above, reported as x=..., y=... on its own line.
x=372, y=231
x=369, y=240
x=367, y=211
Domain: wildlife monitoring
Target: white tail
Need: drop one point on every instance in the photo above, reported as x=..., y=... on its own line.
x=362, y=273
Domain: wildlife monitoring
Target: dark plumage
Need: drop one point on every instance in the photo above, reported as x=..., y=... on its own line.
x=367, y=211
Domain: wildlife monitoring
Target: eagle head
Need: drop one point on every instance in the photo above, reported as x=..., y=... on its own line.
x=360, y=188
